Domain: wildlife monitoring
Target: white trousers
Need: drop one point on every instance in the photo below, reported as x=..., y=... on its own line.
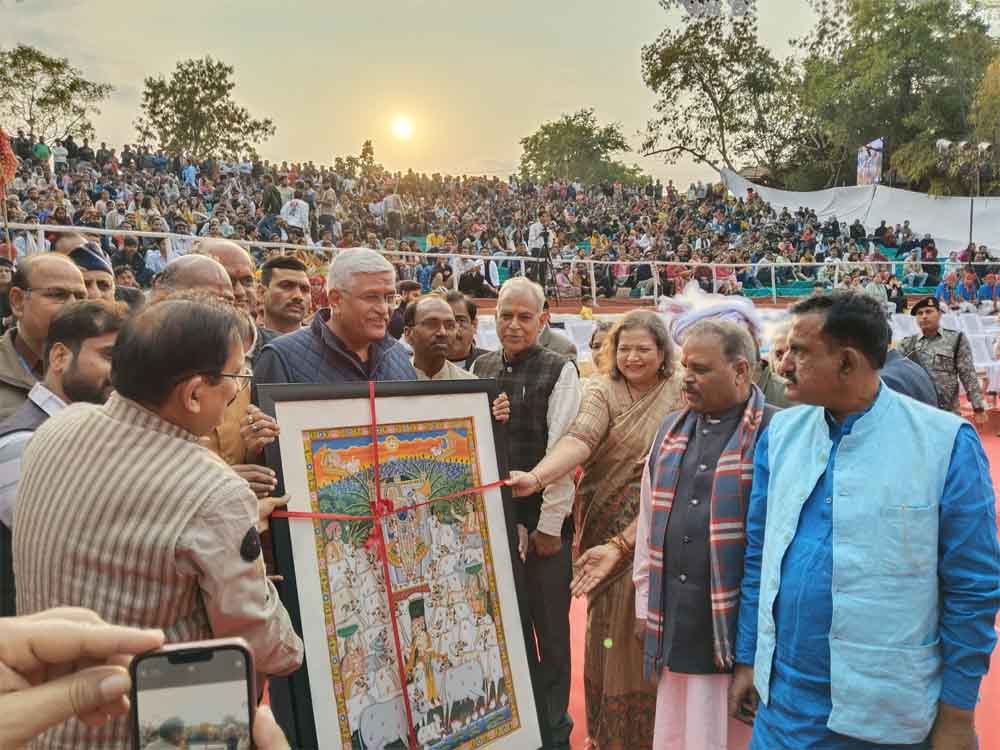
x=692, y=713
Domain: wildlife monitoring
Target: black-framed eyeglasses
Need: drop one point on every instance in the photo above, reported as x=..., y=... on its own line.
x=242, y=378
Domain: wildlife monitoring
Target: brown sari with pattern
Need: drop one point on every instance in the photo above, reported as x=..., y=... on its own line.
x=621, y=705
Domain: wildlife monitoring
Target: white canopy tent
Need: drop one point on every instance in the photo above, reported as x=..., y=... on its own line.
x=949, y=220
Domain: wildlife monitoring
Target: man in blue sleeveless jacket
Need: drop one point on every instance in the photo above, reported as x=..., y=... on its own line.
x=872, y=570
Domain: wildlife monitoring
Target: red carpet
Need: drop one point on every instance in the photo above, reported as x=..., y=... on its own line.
x=987, y=715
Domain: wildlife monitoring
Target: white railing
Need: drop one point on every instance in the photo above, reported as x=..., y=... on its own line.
x=720, y=272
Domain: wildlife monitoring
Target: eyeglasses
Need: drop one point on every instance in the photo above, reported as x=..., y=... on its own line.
x=56, y=294
x=242, y=378
x=375, y=300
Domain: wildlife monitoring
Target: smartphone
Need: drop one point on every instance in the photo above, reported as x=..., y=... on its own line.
x=198, y=694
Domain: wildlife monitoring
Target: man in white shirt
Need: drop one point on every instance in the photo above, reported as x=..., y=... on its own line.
x=429, y=327
x=78, y=368
x=392, y=209
x=60, y=155
x=296, y=212
x=539, y=243
x=539, y=382
x=287, y=192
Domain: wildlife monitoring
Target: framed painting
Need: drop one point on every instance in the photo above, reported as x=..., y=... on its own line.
x=400, y=569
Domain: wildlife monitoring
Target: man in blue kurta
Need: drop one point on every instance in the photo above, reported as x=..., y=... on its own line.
x=872, y=569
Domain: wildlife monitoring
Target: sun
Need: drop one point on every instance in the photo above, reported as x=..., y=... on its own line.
x=402, y=127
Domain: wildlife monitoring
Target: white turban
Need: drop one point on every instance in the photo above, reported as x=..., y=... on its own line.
x=692, y=306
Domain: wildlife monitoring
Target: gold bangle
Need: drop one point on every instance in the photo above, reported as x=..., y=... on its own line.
x=538, y=481
x=620, y=544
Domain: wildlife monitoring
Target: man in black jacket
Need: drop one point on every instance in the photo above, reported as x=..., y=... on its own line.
x=271, y=205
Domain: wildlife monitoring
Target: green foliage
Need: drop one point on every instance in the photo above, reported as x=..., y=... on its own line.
x=986, y=106
x=350, y=496
x=46, y=95
x=909, y=72
x=192, y=113
x=901, y=70
x=363, y=165
x=576, y=147
x=722, y=96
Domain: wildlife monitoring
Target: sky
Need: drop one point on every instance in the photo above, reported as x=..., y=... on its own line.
x=194, y=704
x=473, y=77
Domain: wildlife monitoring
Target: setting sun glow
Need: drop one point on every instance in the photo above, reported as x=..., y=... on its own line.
x=402, y=127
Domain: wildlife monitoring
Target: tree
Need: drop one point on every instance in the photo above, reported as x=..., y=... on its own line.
x=367, y=159
x=46, y=95
x=358, y=166
x=575, y=147
x=192, y=113
x=723, y=96
x=904, y=71
x=986, y=107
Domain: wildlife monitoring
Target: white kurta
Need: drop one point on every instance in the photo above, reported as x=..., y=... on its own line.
x=692, y=710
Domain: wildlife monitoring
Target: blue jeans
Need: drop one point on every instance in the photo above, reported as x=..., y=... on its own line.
x=268, y=227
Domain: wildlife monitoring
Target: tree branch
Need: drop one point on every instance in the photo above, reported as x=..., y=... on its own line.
x=699, y=157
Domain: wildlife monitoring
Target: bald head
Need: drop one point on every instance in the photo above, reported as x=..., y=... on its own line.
x=66, y=242
x=239, y=267
x=45, y=263
x=224, y=251
x=197, y=273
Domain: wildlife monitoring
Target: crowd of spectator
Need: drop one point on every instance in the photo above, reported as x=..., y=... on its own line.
x=148, y=414
x=727, y=244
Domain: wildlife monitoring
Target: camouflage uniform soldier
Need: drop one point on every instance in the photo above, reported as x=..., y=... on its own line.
x=947, y=357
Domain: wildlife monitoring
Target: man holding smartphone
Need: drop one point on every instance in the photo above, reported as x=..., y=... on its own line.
x=73, y=658
x=155, y=531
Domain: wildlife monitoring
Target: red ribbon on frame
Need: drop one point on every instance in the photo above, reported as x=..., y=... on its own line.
x=380, y=508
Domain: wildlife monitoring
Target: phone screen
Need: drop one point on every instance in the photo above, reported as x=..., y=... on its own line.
x=197, y=698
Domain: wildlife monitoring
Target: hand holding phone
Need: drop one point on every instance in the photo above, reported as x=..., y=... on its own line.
x=62, y=663
x=191, y=693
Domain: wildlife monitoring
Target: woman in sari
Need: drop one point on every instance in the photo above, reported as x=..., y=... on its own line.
x=622, y=409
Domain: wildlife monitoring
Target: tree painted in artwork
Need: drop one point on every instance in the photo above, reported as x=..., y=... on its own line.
x=46, y=95
x=192, y=112
x=352, y=495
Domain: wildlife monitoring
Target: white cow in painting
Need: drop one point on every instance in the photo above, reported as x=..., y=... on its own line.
x=383, y=723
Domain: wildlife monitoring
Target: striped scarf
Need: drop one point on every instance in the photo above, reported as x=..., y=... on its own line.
x=727, y=527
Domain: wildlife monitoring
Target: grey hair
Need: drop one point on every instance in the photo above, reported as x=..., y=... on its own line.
x=736, y=340
x=522, y=284
x=353, y=261
x=780, y=333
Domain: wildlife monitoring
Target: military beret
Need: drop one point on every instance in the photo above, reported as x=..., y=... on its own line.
x=925, y=302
